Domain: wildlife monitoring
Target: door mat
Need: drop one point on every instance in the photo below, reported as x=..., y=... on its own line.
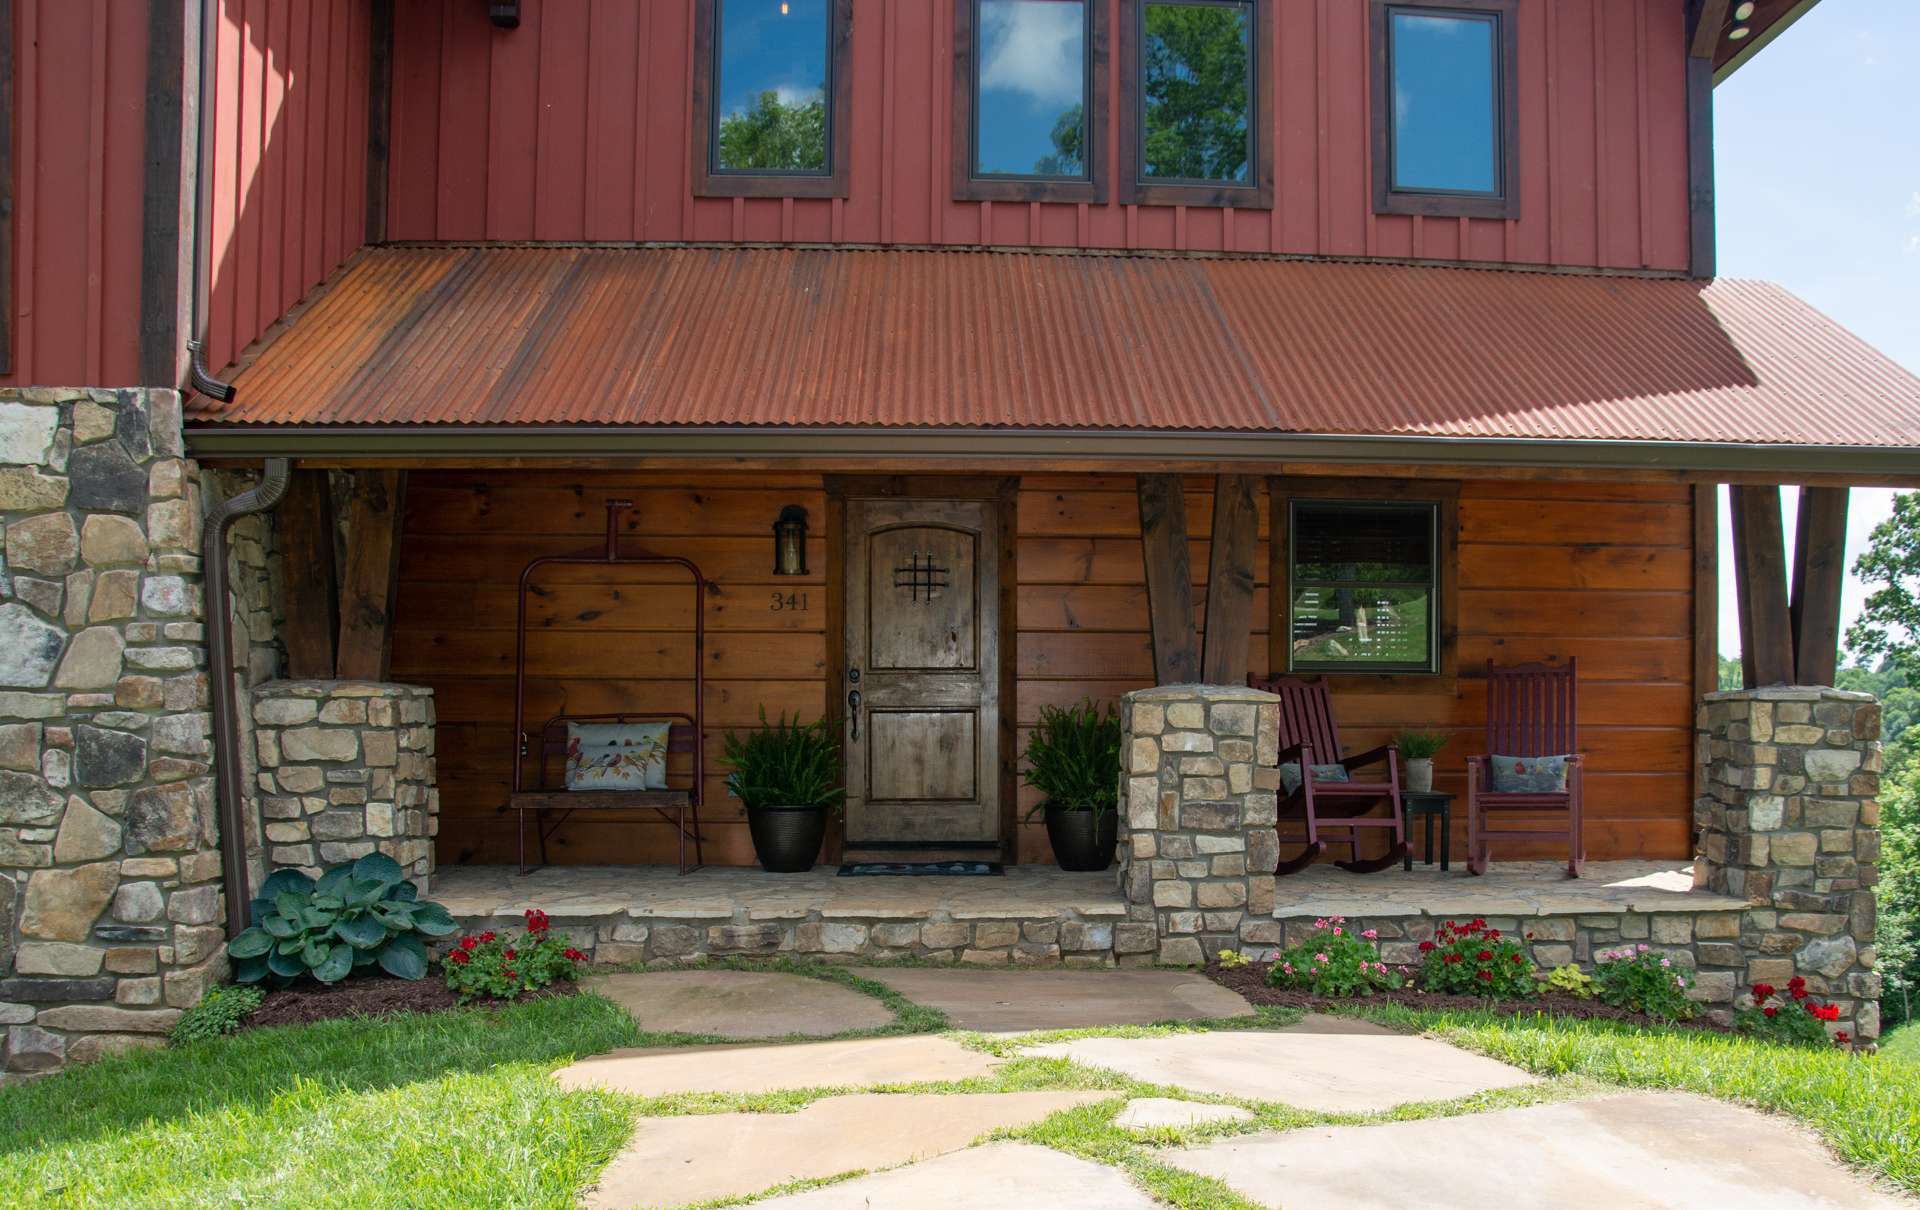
x=951, y=868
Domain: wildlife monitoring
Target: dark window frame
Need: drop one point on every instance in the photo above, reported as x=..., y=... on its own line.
x=711, y=182
x=1387, y=199
x=1008, y=188
x=1257, y=193
x=1444, y=498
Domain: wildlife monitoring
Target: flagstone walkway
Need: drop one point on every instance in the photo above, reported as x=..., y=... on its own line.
x=910, y=1121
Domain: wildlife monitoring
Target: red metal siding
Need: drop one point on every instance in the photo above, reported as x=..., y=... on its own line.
x=575, y=127
x=79, y=114
x=289, y=129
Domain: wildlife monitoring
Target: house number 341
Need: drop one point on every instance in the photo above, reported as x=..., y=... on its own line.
x=784, y=601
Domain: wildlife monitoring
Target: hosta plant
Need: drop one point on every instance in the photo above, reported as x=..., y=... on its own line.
x=354, y=918
x=1788, y=1015
x=1635, y=978
x=1333, y=961
x=1568, y=980
x=502, y=968
x=1473, y=960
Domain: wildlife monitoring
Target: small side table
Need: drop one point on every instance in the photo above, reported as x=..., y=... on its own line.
x=1430, y=803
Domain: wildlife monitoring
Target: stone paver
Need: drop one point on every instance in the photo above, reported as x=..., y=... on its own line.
x=1330, y=1066
x=1158, y=1113
x=1012, y=1001
x=858, y=1063
x=992, y=1177
x=661, y=893
x=674, y=1161
x=1509, y=888
x=740, y=1004
x=1644, y=1150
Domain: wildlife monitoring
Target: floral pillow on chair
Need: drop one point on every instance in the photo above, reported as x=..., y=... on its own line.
x=1528, y=774
x=617, y=756
x=1290, y=775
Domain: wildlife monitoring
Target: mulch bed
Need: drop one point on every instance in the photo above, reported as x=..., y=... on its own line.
x=367, y=996
x=1251, y=982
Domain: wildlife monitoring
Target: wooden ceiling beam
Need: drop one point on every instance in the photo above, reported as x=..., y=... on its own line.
x=1707, y=26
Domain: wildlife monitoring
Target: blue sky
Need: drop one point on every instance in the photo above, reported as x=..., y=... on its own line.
x=1817, y=152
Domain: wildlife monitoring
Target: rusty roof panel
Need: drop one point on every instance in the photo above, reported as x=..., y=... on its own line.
x=808, y=337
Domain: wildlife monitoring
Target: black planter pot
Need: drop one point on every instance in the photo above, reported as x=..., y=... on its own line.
x=787, y=839
x=1081, y=842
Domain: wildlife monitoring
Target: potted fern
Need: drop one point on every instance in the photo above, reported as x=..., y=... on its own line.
x=1417, y=750
x=1073, y=758
x=788, y=776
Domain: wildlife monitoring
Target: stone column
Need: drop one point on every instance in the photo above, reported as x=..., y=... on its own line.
x=1198, y=800
x=1788, y=821
x=346, y=769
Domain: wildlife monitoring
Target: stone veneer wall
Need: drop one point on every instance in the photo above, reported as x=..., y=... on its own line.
x=1789, y=821
x=1198, y=801
x=110, y=898
x=346, y=768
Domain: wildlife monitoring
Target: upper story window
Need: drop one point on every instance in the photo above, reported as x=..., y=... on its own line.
x=1030, y=100
x=1196, y=127
x=770, y=98
x=1444, y=122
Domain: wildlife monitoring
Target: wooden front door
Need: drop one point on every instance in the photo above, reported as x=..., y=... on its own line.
x=922, y=610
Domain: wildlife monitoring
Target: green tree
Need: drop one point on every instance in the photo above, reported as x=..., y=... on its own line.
x=775, y=136
x=1069, y=157
x=1732, y=676
x=1194, y=76
x=1889, y=624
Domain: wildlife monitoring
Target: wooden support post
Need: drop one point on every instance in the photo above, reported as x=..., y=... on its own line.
x=1819, y=565
x=1163, y=542
x=310, y=605
x=373, y=556
x=1709, y=18
x=1706, y=589
x=1760, y=577
x=1229, y=627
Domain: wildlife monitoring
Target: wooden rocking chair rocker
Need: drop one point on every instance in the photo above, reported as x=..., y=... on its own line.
x=1530, y=713
x=1308, y=735
x=534, y=789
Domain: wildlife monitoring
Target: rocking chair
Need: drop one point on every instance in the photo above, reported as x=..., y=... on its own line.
x=1308, y=735
x=1530, y=713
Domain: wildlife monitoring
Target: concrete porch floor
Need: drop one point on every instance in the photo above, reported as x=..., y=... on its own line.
x=1522, y=889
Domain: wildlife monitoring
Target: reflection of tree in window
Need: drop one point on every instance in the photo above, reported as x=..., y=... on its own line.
x=776, y=136
x=1195, y=83
x=1069, y=137
x=1361, y=586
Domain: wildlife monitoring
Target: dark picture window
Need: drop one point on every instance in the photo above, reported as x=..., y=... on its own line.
x=1029, y=80
x=1363, y=586
x=769, y=96
x=1197, y=125
x=1443, y=118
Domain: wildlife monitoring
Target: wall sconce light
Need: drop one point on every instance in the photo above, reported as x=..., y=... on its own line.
x=790, y=542
x=505, y=13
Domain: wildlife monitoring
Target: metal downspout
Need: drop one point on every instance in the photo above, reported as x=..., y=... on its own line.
x=220, y=673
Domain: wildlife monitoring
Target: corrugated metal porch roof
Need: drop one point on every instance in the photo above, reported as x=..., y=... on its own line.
x=511, y=336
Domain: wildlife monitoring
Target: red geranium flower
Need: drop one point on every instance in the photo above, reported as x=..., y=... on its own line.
x=1487, y=976
x=467, y=943
x=507, y=972
x=1842, y=1038
x=575, y=954
x=1485, y=955
x=1517, y=958
x=1426, y=947
x=458, y=957
x=487, y=936
x=1762, y=991
x=1771, y=1011
x=536, y=920
x=508, y=955
x=1450, y=959
x=1797, y=988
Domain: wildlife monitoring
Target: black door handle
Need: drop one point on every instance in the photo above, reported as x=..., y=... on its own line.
x=853, y=710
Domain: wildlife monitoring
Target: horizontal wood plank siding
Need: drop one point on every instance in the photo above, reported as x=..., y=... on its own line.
x=493, y=129
x=1600, y=571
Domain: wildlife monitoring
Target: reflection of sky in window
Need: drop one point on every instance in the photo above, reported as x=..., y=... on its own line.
x=1444, y=104
x=1032, y=65
x=762, y=49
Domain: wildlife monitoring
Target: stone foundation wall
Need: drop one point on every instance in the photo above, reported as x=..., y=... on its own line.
x=1788, y=820
x=346, y=768
x=1057, y=937
x=1197, y=806
x=110, y=892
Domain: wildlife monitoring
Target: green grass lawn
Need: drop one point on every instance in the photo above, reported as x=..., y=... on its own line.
x=457, y=1109
x=1902, y=1043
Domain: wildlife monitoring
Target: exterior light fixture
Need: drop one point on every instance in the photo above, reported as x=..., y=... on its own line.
x=1742, y=11
x=1738, y=32
x=790, y=542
